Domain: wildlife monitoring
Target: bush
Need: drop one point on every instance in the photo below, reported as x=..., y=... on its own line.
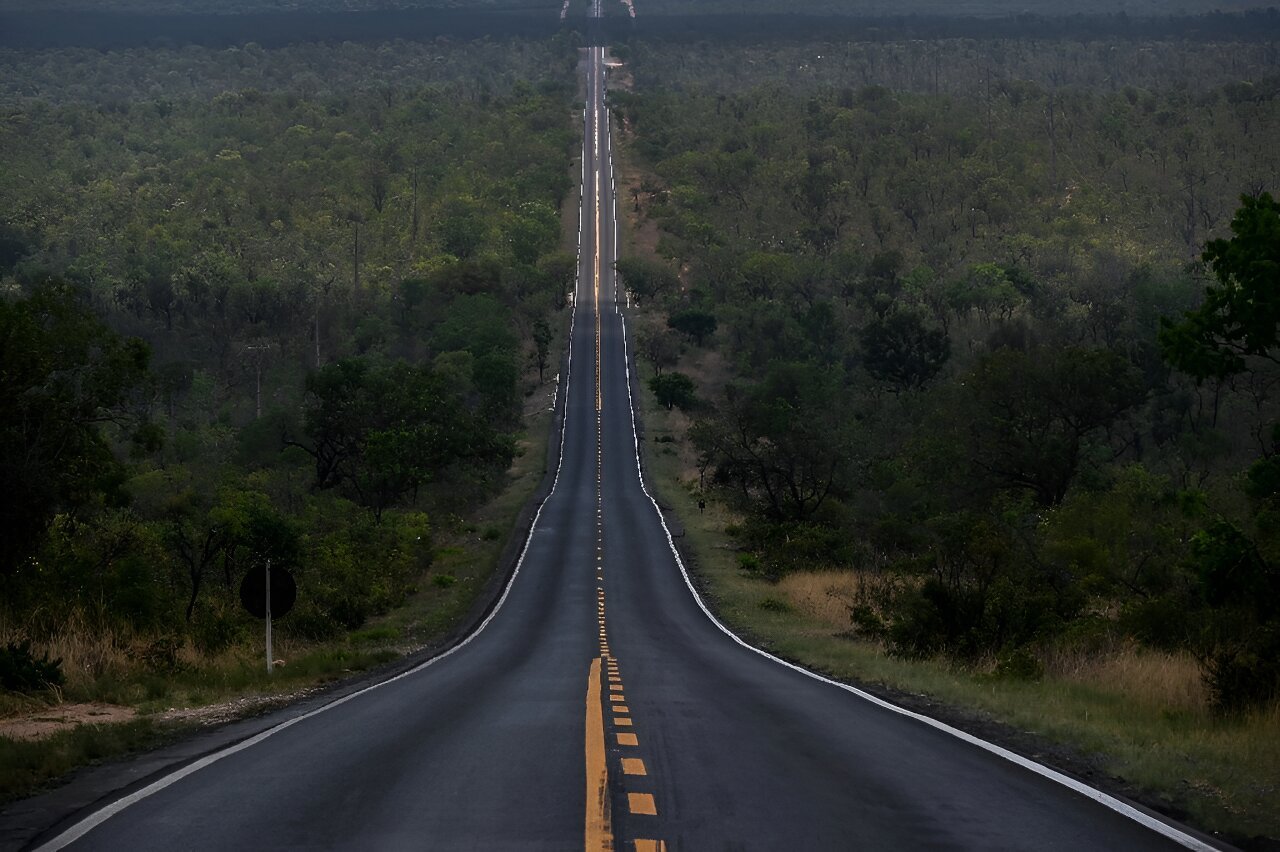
x=160, y=656
x=21, y=671
x=1019, y=664
x=784, y=547
x=1240, y=677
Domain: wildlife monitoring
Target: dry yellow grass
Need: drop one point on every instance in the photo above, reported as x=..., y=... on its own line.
x=824, y=595
x=86, y=653
x=1155, y=678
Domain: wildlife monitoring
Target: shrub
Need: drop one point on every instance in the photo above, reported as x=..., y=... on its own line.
x=1243, y=676
x=21, y=670
x=161, y=655
x=1019, y=664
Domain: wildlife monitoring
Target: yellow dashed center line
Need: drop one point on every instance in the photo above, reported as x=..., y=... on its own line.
x=642, y=803
x=599, y=832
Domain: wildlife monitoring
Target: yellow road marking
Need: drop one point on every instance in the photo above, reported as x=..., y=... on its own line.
x=628, y=739
x=617, y=698
x=621, y=709
x=633, y=766
x=599, y=832
x=642, y=803
x=617, y=687
x=651, y=846
x=622, y=722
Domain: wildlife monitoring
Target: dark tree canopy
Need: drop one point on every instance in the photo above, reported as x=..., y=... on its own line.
x=64, y=374
x=379, y=432
x=646, y=279
x=783, y=442
x=673, y=390
x=1032, y=413
x=697, y=324
x=1240, y=315
x=901, y=350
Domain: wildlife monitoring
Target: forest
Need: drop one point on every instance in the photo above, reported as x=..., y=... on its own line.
x=976, y=315
x=252, y=314
x=1004, y=346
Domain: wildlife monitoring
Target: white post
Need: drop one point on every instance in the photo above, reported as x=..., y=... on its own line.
x=270, y=665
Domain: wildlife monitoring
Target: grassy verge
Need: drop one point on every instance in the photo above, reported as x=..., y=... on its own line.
x=26, y=766
x=1137, y=715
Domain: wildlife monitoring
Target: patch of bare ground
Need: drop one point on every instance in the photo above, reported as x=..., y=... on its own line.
x=211, y=715
x=637, y=191
x=619, y=75
x=47, y=721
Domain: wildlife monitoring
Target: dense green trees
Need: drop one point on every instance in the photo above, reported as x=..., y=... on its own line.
x=1240, y=316
x=65, y=375
x=297, y=324
x=948, y=367
x=1236, y=330
x=378, y=433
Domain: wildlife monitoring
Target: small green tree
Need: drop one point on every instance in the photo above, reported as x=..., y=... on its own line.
x=542, y=345
x=1240, y=316
x=645, y=279
x=673, y=390
x=697, y=324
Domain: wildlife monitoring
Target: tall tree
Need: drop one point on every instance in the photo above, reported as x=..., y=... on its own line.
x=1240, y=316
x=64, y=375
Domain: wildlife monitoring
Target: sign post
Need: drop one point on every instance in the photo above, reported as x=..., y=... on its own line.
x=268, y=593
x=270, y=662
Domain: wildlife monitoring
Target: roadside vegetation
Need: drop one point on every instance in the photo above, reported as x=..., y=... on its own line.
x=311, y=324
x=978, y=383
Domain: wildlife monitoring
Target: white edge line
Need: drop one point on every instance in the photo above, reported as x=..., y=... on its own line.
x=98, y=817
x=1111, y=802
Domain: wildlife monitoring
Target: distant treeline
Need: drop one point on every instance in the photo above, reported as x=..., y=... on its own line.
x=114, y=30
x=109, y=30
x=1216, y=26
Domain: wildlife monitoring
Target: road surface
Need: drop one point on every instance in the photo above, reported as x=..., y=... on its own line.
x=601, y=707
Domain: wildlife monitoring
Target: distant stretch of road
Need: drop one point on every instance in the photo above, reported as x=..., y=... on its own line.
x=601, y=707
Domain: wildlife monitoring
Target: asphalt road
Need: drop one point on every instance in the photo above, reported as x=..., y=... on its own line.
x=600, y=706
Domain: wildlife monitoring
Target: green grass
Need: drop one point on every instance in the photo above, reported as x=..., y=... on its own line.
x=26, y=767
x=1225, y=774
